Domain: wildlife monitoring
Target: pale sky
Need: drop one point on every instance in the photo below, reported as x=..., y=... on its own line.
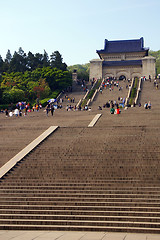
x=76, y=28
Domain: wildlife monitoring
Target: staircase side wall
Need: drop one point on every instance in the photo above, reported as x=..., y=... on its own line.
x=95, y=69
x=149, y=67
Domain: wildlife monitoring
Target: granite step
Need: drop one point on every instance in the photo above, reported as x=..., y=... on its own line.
x=78, y=228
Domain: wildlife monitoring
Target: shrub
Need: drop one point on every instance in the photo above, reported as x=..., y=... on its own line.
x=84, y=103
x=45, y=100
x=16, y=95
x=90, y=94
x=7, y=106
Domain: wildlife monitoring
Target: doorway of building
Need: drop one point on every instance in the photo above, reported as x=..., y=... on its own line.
x=122, y=77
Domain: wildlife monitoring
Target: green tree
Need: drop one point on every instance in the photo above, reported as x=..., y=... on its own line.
x=21, y=52
x=39, y=82
x=39, y=60
x=1, y=64
x=6, y=98
x=14, y=95
x=18, y=63
x=56, y=61
x=82, y=71
x=8, y=56
x=31, y=63
x=45, y=59
x=41, y=89
x=7, y=61
x=156, y=54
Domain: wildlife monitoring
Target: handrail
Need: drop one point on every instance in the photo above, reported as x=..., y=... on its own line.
x=95, y=93
x=138, y=91
x=80, y=101
x=129, y=92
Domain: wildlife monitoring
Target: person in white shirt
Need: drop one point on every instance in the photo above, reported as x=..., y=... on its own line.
x=16, y=112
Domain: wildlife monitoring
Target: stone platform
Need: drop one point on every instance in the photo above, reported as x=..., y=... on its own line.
x=59, y=235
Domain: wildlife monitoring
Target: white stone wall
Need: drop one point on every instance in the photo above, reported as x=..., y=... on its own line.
x=149, y=67
x=128, y=72
x=95, y=69
x=122, y=56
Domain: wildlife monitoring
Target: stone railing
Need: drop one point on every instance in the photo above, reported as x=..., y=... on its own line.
x=138, y=90
x=81, y=100
x=129, y=92
x=95, y=93
x=85, y=96
x=59, y=96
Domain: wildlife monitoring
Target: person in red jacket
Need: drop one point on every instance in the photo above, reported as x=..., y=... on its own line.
x=118, y=110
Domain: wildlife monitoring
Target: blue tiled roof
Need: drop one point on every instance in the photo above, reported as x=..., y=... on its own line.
x=123, y=46
x=122, y=63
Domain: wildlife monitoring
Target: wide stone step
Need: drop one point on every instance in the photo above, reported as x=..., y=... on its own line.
x=69, y=181
x=80, y=212
x=84, y=191
x=79, y=207
x=141, y=182
x=87, y=193
x=78, y=228
x=86, y=202
x=74, y=196
x=81, y=217
x=106, y=186
x=82, y=223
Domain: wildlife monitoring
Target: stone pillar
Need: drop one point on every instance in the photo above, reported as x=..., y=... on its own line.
x=149, y=67
x=74, y=76
x=95, y=69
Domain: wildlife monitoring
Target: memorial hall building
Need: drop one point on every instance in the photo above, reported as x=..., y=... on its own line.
x=123, y=59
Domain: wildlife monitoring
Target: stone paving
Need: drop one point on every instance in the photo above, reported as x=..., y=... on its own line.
x=60, y=235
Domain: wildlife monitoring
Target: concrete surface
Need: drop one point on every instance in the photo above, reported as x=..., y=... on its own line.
x=58, y=235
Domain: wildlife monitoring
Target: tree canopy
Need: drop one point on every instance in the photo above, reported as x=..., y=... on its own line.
x=156, y=54
x=82, y=70
x=28, y=76
x=21, y=62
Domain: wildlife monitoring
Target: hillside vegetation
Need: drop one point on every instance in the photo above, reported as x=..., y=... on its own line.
x=156, y=54
x=24, y=77
x=82, y=70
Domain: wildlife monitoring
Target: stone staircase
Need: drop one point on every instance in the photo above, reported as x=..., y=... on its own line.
x=112, y=95
x=77, y=93
x=105, y=178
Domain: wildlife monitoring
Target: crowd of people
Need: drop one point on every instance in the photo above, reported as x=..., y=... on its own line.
x=68, y=102
x=21, y=109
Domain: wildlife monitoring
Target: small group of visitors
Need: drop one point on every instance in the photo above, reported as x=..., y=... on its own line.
x=49, y=109
x=147, y=105
x=16, y=112
x=70, y=100
x=36, y=107
x=115, y=111
x=143, y=78
x=75, y=108
x=155, y=84
x=109, y=83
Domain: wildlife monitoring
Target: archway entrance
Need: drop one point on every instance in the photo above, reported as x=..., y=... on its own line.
x=122, y=77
